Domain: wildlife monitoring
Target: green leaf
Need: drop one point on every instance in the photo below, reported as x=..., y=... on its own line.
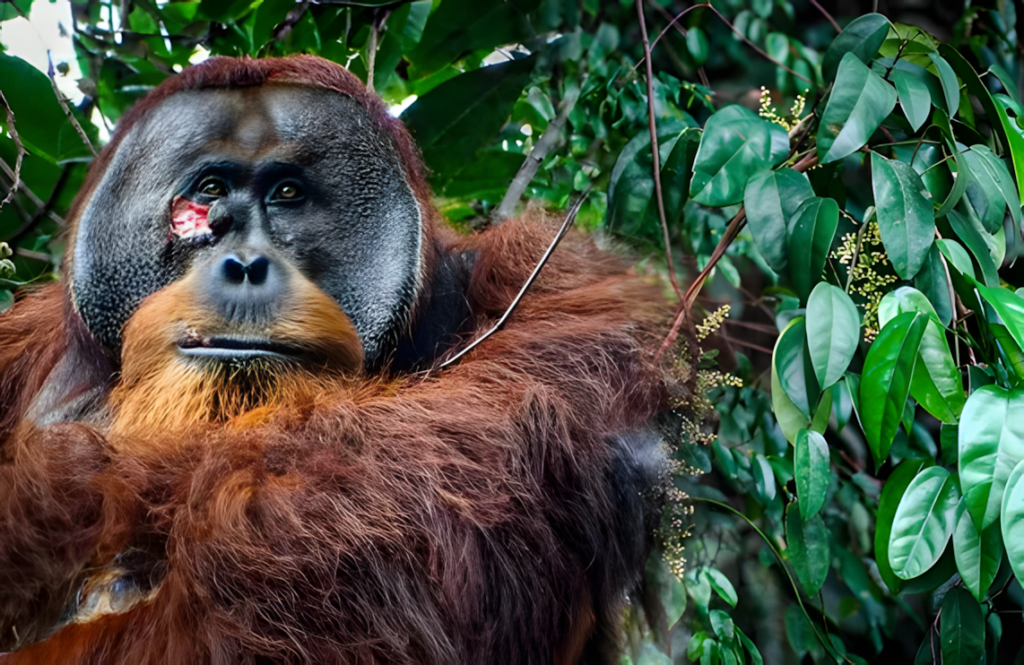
x=906, y=218
x=969, y=229
x=736, y=145
x=923, y=522
x=697, y=45
x=722, y=624
x=142, y=22
x=795, y=371
x=893, y=490
x=1010, y=308
x=990, y=188
x=859, y=102
x=671, y=591
x=811, y=468
x=771, y=200
x=991, y=444
x=807, y=549
x=811, y=230
x=721, y=585
x=763, y=477
x=632, y=210
x=790, y=420
x=1012, y=520
x=950, y=84
x=1005, y=130
x=459, y=117
x=913, y=96
x=833, y=331
x=755, y=655
x=961, y=627
x=885, y=380
x=862, y=37
x=933, y=282
x=460, y=26
x=977, y=555
x=957, y=255
x=936, y=385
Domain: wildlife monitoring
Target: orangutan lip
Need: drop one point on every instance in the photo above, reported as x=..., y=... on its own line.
x=228, y=348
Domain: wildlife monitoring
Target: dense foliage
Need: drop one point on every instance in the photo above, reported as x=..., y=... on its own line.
x=862, y=500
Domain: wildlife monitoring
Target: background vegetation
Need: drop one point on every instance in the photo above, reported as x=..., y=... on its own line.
x=845, y=179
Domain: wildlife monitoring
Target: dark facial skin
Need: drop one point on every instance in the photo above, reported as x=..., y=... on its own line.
x=288, y=176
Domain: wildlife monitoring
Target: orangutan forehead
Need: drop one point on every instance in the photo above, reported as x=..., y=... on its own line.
x=249, y=123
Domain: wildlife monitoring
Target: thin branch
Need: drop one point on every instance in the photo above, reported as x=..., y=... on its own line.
x=682, y=31
x=537, y=154
x=64, y=105
x=23, y=188
x=566, y=225
x=371, y=49
x=655, y=156
x=291, y=20
x=19, y=147
x=828, y=17
x=733, y=230
x=42, y=210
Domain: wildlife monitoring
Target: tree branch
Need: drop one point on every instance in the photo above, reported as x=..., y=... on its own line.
x=655, y=156
x=540, y=150
x=64, y=105
x=43, y=210
x=20, y=186
x=19, y=147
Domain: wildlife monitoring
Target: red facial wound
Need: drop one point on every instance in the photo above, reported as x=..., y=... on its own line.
x=188, y=218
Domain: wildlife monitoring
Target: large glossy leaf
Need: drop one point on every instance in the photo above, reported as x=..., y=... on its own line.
x=915, y=100
x=1012, y=520
x=1004, y=129
x=812, y=471
x=811, y=230
x=771, y=200
x=459, y=117
x=795, y=371
x=885, y=381
x=807, y=549
x=893, y=490
x=991, y=443
x=790, y=420
x=950, y=85
x=859, y=102
x=862, y=37
x=977, y=554
x=1010, y=308
x=41, y=124
x=936, y=385
x=736, y=145
x=459, y=26
x=923, y=522
x=961, y=627
x=934, y=283
x=833, y=331
x=969, y=229
x=632, y=210
x=906, y=218
x=990, y=188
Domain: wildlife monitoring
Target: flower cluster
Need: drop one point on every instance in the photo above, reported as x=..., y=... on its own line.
x=871, y=274
x=770, y=113
x=6, y=266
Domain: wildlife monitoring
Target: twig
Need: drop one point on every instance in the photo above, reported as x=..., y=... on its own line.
x=537, y=154
x=828, y=17
x=19, y=147
x=64, y=105
x=371, y=54
x=42, y=210
x=21, y=186
x=566, y=225
x=36, y=256
x=291, y=20
x=681, y=30
x=655, y=156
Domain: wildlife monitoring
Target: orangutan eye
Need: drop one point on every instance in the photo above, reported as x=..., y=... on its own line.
x=213, y=187
x=287, y=191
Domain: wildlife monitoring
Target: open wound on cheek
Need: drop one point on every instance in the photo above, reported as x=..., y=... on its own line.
x=188, y=218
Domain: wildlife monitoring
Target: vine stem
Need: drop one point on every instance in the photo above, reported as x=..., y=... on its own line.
x=655, y=155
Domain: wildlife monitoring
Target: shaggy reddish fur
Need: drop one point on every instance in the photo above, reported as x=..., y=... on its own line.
x=436, y=519
x=463, y=515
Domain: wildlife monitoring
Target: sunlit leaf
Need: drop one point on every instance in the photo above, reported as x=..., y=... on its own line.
x=859, y=102
x=862, y=37
x=923, y=522
x=1012, y=520
x=977, y=554
x=771, y=200
x=795, y=370
x=991, y=443
x=833, y=332
x=893, y=490
x=812, y=471
x=906, y=218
